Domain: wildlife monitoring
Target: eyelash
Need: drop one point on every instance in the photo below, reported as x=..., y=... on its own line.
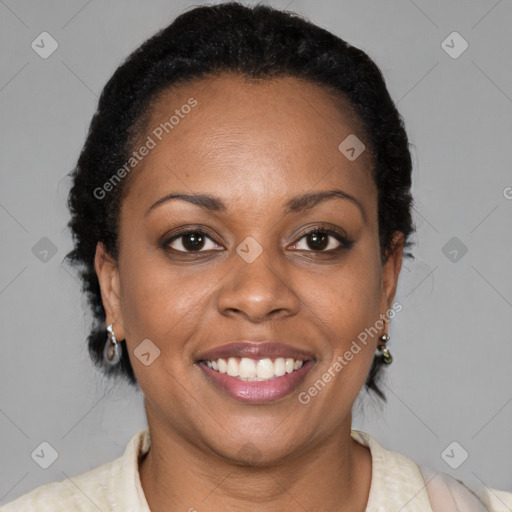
x=345, y=243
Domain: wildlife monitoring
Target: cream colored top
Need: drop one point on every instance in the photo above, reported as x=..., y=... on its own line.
x=397, y=485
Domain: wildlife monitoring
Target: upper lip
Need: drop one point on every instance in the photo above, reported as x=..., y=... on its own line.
x=255, y=350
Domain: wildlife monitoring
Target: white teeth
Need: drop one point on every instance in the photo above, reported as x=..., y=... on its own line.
x=279, y=367
x=248, y=369
x=265, y=368
x=223, y=366
x=232, y=367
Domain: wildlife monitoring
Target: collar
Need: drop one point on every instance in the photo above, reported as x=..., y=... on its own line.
x=124, y=490
x=397, y=483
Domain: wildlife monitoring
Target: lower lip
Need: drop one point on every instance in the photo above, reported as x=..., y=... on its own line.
x=258, y=392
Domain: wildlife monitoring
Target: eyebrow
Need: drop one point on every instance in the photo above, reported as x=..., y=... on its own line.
x=297, y=204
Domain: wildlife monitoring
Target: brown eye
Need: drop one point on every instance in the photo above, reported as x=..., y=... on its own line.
x=317, y=240
x=191, y=241
x=323, y=240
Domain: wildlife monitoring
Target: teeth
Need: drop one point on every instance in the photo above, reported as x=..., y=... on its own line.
x=232, y=367
x=223, y=366
x=265, y=369
x=247, y=368
x=255, y=370
x=280, y=367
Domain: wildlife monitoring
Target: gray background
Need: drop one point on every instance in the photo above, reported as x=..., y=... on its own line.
x=451, y=379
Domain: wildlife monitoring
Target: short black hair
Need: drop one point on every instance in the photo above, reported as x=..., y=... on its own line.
x=254, y=42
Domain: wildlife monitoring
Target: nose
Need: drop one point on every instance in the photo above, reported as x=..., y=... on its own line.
x=259, y=291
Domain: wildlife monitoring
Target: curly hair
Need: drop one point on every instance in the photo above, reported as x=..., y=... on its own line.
x=255, y=42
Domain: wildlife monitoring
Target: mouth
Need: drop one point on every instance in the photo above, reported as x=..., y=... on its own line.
x=256, y=372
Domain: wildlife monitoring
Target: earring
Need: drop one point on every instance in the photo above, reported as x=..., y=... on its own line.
x=386, y=355
x=113, y=350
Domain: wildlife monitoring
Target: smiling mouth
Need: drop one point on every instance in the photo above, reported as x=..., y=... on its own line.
x=255, y=370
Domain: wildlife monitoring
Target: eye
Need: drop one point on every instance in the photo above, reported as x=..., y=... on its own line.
x=324, y=240
x=318, y=239
x=193, y=240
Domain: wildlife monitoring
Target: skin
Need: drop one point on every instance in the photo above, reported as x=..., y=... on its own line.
x=255, y=145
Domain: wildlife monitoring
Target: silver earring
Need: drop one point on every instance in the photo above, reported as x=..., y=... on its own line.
x=113, y=350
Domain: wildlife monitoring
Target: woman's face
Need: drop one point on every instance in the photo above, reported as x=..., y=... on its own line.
x=249, y=271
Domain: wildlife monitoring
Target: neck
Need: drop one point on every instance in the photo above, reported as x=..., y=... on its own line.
x=177, y=474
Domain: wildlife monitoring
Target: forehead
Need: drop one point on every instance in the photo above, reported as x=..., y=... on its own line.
x=244, y=140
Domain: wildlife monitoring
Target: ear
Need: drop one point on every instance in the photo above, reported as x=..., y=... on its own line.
x=391, y=271
x=108, y=277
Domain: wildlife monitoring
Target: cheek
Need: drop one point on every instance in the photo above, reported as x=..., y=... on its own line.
x=345, y=309
x=347, y=300
x=161, y=301
x=347, y=305
x=163, y=306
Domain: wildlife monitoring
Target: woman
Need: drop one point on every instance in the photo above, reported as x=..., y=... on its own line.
x=240, y=211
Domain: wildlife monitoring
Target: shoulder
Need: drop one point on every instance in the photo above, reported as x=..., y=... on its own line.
x=113, y=485
x=83, y=492
x=497, y=500
x=443, y=489
x=399, y=480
